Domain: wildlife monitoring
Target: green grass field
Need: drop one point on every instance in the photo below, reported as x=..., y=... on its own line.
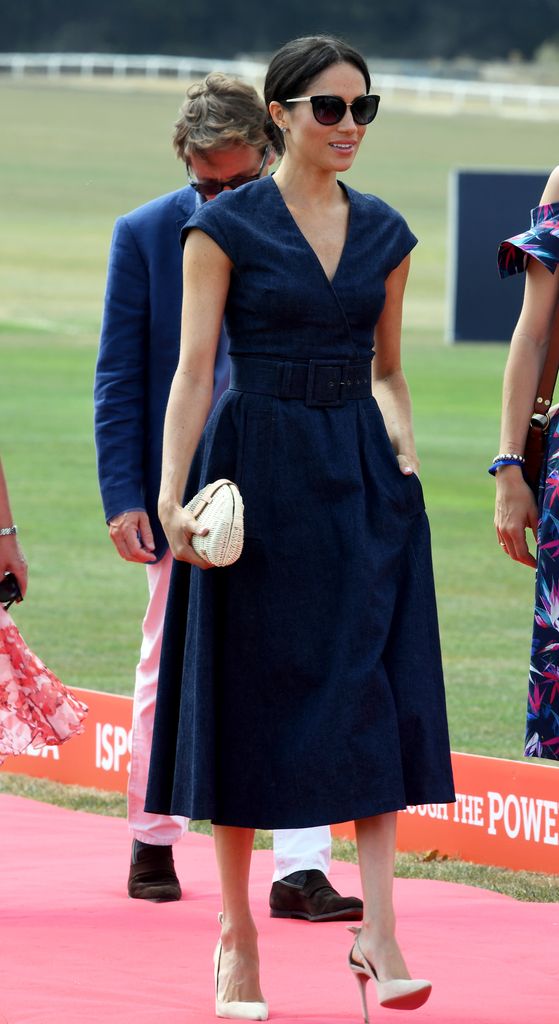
x=72, y=160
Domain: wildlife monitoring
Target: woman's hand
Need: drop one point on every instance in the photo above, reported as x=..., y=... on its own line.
x=408, y=464
x=13, y=560
x=180, y=526
x=515, y=512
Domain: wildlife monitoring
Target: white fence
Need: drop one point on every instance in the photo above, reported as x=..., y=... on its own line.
x=121, y=64
x=520, y=99
x=500, y=96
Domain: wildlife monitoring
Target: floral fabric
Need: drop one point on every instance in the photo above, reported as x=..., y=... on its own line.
x=542, y=726
x=36, y=710
x=540, y=241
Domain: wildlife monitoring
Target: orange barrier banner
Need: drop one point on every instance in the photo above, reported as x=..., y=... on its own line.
x=99, y=757
x=506, y=812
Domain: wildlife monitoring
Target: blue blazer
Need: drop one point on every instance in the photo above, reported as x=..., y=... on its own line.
x=138, y=354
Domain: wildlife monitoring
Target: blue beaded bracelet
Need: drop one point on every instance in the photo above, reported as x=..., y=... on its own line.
x=504, y=462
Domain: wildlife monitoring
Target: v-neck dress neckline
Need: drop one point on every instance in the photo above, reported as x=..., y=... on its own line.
x=302, y=235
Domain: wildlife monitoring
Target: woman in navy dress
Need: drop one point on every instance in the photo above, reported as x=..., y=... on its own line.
x=536, y=251
x=303, y=684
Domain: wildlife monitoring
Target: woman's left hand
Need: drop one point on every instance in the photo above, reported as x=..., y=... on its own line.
x=408, y=464
x=13, y=560
x=515, y=512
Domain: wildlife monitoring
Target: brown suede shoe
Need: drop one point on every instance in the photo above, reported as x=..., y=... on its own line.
x=309, y=895
x=152, y=874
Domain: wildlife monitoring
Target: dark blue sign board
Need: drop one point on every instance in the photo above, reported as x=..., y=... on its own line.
x=484, y=208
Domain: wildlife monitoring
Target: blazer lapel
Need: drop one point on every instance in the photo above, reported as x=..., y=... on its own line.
x=186, y=204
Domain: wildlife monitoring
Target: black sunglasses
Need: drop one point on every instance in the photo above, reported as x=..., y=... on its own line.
x=212, y=187
x=331, y=109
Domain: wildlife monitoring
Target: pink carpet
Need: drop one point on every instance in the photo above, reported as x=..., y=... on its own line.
x=76, y=950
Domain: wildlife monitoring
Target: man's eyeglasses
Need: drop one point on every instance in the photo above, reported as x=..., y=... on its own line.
x=331, y=109
x=212, y=186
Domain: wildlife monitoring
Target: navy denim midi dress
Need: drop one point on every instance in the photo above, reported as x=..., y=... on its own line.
x=303, y=686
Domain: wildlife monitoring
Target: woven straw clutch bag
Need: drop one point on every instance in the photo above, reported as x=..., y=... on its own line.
x=218, y=506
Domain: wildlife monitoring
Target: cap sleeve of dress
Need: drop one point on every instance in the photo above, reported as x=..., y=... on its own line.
x=402, y=241
x=541, y=241
x=214, y=220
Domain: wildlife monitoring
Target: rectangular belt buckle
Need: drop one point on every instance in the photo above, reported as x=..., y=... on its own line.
x=325, y=384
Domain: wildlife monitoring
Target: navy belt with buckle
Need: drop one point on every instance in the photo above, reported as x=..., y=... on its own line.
x=321, y=383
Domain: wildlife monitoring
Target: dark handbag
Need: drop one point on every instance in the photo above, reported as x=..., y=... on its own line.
x=9, y=590
x=536, y=438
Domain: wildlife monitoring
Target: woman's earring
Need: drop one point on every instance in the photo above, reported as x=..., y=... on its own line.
x=283, y=130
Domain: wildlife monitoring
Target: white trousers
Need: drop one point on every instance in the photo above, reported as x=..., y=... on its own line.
x=294, y=849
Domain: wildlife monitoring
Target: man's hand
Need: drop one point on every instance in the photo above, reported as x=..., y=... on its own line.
x=132, y=536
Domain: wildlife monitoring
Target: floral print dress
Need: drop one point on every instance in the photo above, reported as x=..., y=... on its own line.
x=541, y=241
x=36, y=710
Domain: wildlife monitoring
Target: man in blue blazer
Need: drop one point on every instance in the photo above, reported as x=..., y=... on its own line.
x=220, y=136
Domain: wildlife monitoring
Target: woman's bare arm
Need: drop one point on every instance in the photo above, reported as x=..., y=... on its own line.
x=390, y=386
x=12, y=558
x=206, y=277
x=515, y=508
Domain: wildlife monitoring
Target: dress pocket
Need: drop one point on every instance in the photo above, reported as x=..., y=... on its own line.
x=405, y=490
x=412, y=501
x=402, y=491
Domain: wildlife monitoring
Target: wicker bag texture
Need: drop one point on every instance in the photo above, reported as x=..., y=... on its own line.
x=219, y=507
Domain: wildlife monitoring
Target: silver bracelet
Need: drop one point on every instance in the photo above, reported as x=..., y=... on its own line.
x=8, y=531
x=510, y=455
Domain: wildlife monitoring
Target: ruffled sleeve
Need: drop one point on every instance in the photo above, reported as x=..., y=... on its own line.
x=36, y=709
x=213, y=219
x=540, y=241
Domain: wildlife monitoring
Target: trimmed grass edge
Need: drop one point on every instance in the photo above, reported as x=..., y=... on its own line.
x=527, y=886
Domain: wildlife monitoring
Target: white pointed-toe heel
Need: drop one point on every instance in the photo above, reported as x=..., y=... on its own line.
x=235, y=1009
x=396, y=994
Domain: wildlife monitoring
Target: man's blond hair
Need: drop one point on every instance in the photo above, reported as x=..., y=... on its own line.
x=218, y=113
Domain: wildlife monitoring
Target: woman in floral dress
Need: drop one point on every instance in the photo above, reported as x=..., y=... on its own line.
x=36, y=710
x=536, y=251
